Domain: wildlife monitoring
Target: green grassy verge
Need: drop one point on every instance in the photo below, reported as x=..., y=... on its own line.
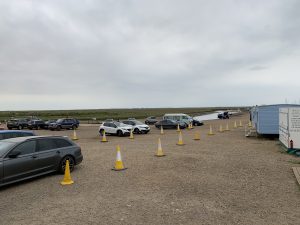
x=102, y=114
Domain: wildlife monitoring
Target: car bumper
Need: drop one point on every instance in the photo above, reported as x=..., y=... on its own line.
x=78, y=159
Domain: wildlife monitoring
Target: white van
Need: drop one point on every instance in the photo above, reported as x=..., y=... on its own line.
x=179, y=117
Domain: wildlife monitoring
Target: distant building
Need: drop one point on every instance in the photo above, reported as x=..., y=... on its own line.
x=265, y=118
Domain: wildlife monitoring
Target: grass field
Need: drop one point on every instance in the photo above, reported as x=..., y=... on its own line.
x=102, y=114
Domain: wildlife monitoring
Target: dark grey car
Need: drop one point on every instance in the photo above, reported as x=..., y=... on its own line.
x=26, y=157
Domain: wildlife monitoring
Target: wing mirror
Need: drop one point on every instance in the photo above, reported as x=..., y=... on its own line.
x=14, y=154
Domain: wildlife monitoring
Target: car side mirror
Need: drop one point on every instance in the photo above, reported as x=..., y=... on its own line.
x=14, y=154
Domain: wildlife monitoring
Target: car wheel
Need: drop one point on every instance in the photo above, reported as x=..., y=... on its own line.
x=119, y=133
x=136, y=130
x=59, y=128
x=62, y=164
x=20, y=127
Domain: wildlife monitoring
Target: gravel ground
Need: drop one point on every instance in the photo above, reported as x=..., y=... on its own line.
x=221, y=179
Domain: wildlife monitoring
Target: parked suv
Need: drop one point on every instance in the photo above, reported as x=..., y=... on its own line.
x=17, y=124
x=36, y=124
x=115, y=128
x=151, y=120
x=65, y=123
x=137, y=126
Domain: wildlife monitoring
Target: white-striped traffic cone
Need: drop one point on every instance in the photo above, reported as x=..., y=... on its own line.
x=119, y=163
x=159, y=152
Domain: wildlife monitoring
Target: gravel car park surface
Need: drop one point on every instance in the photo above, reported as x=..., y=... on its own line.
x=221, y=179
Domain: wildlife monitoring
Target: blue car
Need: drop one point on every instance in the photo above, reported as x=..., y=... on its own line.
x=6, y=134
x=64, y=123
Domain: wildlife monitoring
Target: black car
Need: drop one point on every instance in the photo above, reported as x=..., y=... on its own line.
x=36, y=124
x=27, y=157
x=65, y=123
x=151, y=120
x=170, y=124
x=17, y=124
x=197, y=122
x=223, y=115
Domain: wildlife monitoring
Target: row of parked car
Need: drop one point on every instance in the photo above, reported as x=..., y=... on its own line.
x=169, y=121
x=63, y=123
x=23, y=155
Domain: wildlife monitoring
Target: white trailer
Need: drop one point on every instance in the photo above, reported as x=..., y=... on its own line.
x=289, y=127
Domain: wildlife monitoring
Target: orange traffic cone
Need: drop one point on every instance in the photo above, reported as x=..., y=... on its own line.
x=197, y=136
x=250, y=124
x=161, y=130
x=74, y=138
x=104, y=137
x=159, y=152
x=178, y=128
x=119, y=164
x=180, y=141
x=240, y=125
x=131, y=134
x=210, y=131
x=67, y=177
x=227, y=127
x=221, y=128
x=192, y=126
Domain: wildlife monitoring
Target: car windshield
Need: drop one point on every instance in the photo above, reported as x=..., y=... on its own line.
x=4, y=147
x=118, y=124
x=59, y=120
x=138, y=122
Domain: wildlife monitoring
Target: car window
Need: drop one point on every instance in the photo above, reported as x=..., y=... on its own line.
x=26, y=147
x=46, y=144
x=117, y=123
x=61, y=143
x=4, y=147
x=129, y=123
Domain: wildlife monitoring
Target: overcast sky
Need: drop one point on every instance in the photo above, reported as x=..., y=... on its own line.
x=148, y=53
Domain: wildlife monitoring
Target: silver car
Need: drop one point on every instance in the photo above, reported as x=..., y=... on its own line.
x=26, y=157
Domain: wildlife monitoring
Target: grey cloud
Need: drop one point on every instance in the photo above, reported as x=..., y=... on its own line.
x=141, y=49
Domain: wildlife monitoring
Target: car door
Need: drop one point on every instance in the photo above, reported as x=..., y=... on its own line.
x=23, y=165
x=164, y=124
x=113, y=128
x=48, y=154
x=64, y=124
x=170, y=124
